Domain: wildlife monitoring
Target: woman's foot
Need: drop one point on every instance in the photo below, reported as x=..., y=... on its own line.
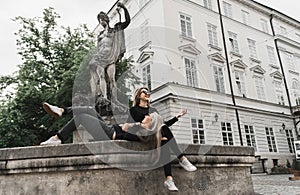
x=169, y=183
x=185, y=163
x=54, y=140
x=53, y=110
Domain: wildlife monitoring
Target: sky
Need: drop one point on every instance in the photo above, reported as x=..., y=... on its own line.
x=73, y=13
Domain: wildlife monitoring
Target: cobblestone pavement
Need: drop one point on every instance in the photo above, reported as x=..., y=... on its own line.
x=275, y=184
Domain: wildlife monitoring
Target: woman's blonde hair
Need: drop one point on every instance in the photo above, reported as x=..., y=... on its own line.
x=152, y=135
x=136, y=98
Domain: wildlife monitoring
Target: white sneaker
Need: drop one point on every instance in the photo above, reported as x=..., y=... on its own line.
x=52, y=110
x=52, y=141
x=185, y=163
x=169, y=183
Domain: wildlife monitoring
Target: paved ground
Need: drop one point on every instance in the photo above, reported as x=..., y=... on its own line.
x=275, y=184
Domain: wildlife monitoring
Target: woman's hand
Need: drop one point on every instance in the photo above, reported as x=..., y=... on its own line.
x=181, y=113
x=126, y=126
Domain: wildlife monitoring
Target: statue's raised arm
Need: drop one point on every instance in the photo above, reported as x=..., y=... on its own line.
x=127, y=16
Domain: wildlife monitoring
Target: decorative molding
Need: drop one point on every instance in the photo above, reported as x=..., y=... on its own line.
x=148, y=44
x=294, y=72
x=189, y=48
x=276, y=75
x=214, y=47
x=274, y=66
x=217, y=57
x=282, y=49
x=236, y=54
x=239, y=64
x=255, y=60
x=190, y=39
x=258, y=69
x=144, y=56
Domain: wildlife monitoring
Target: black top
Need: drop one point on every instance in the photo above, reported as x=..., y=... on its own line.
x=138, y=113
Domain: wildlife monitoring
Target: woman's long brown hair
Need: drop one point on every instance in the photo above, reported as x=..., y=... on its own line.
x=136, y=98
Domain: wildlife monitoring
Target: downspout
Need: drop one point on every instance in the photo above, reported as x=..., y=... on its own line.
x=283, y=74
x=229, y=75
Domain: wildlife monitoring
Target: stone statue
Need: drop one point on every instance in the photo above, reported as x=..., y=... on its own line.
x=110, y=49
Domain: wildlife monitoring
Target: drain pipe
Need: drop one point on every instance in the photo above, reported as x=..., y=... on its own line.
x=283, y=74
x=229, y=75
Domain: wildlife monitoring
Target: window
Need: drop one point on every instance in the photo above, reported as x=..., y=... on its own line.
x=240, y=82
x=290, y=140
x=227, y=135
x=198, y=131
x=296, y=91
x=227, y=9
x=252, y=48
x=279, y=92
x=250, y=137
x=212, y=35
x=207, y=4
x=271, y=139
x=186, y=25
x=282, y=30
x=245, y=17
x=191, y=72
x=259, y=85
x=264, y=25
x=144, y=32
x=147, y=76
x=271, y=55
x=290, y=61
x=219, y=78
x=233, y=42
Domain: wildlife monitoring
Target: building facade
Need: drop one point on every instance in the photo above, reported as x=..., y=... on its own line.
x=233, y=64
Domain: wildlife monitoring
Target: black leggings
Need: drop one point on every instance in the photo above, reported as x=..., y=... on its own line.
x=94, y=124
x=167, y=146
x=90, y=120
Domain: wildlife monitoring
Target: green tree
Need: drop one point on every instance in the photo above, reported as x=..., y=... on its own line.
x=51, y=56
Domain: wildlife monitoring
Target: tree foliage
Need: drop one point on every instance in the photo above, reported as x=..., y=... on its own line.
x=51, y=56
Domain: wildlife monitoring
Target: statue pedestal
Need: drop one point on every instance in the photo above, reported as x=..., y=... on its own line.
x=75, y=169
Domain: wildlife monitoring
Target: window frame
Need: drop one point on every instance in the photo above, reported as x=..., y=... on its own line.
x=242, y=89
x=212, y=35
x=200, y=131
x=227, y=8
x=186, y=25
x=233, y=39
x=146, y=75
x=271, y=141
x=260, y=87
x=252, y=48
x=251, y=135
x=228, y=134
x=219, y=78
x=191, y=71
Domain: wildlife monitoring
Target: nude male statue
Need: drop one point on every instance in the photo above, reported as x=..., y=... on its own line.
x=110, y=49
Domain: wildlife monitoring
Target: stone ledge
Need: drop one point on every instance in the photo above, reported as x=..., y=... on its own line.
x=82, y=169
x=109, y=147
x=121, y=154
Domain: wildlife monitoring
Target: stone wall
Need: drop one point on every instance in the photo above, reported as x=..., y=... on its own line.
x=88, y=168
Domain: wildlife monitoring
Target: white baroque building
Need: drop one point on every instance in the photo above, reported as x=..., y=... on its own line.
x=233, y=64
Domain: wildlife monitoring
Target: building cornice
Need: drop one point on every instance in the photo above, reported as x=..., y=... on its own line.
x=214, y=103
